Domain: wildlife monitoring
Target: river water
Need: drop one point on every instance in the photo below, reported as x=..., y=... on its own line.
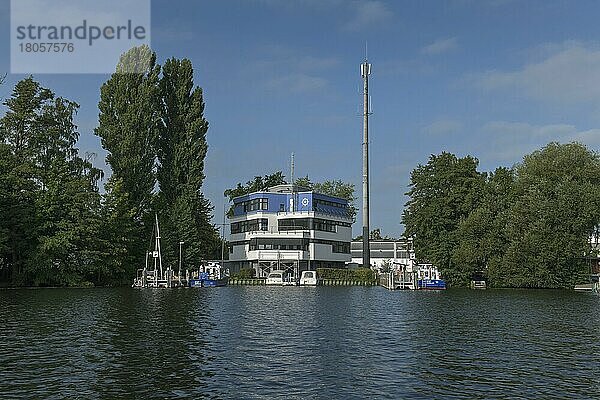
x=298, y=343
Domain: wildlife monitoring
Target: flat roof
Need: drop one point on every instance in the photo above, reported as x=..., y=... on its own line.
x=287, y=189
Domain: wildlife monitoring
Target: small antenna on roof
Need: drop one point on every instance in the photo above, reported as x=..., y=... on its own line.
x=292, y=172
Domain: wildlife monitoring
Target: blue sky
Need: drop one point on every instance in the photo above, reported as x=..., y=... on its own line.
x=494, y=79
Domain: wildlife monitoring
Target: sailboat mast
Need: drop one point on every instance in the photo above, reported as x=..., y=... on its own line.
x=157, y=247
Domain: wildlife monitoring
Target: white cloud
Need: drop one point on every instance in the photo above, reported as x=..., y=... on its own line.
x=73, y=12
x=172, y=34
x=368, y=14
x=590, y=137
x=567, y=73
x=278, y=57
x=413, y=66
x=443, y=127
x=525, y=130
x=289, y=70
x=309, y=4
x=440, y=46
x=485, y=3
x=357, y=15
x=508, y=142
x=296, y=83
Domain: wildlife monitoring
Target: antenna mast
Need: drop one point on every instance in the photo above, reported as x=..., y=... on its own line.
x=365, y=71
x=292, y=171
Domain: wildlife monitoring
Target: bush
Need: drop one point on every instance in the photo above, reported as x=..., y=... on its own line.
x=245, y=273
x=360, y=274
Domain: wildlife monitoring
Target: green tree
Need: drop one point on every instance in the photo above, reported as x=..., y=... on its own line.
x=556, y=209
x=53, y=193
x=375, y=234
x=255, y=185
x=129, y=123
x=18, y=178
x=181, y=152
x=442, y=193
x=481, y=237
x=118, y=236
x=128, y=127
x=17, y=216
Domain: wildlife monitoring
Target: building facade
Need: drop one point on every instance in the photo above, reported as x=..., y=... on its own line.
x=396, y=260
x=289, y=228
x=385, y=252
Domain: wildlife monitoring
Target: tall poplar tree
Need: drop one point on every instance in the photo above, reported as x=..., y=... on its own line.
x=128, y=127
x=181, y=153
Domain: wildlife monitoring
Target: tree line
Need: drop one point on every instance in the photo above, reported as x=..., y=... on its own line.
x=525, y=226
x=56, y=227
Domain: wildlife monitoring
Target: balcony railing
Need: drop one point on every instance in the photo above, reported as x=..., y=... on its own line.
x=283, y=255
x=315, y=213
x=275, y=231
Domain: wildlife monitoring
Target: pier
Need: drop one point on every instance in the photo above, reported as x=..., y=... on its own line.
x=398, y=280
x=411, y=277
x=322, y=282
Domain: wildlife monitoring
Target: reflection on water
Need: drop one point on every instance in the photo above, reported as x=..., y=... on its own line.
x=325, y=342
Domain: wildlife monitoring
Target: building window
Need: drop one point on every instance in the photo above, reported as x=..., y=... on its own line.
x=252, y=225
x=294, y=224
x=255, y=204
x=330, y=207
x=291, y=224
x=340, y=247
x=296, y=244
x=278, y=244
x=319, y=202
x=336, y=247
x=325, y=225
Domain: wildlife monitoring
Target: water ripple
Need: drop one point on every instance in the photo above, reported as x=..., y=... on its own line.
x=298, y=343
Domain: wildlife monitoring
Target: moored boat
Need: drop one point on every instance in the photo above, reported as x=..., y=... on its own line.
x=275, y=278
x=308, y=278
x=210, y=275
x=155, y=276
x=431, y=284
x=428, y=278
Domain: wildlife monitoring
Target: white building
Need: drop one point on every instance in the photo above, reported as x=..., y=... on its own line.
x=386, y=253
x=289, y=228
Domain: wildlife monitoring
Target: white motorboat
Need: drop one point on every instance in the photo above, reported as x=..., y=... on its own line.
x=308, y=278
x=275, y=278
